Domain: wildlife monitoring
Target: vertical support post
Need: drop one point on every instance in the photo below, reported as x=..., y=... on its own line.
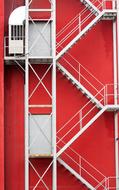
x=79, y=23
x=54, y=173
x=116, y=78
x=80, y=117
x=79, y=72
x=117, y=127
x=26, y=98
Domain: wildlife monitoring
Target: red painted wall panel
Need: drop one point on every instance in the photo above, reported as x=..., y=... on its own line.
x=14, y=128
x=1, y=96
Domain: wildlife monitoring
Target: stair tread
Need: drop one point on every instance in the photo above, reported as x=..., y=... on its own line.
x=68, y=180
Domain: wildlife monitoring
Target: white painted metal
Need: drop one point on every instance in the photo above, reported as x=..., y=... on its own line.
x=17, y=17
x=115, y=100
x=42, y=49
x=73, y=172
x=82, y=130
x=38, y=127
x=26, y=97
x=91, y=5
x=40, y=106
x=79, y=85
x=91, y=24
x=116, y=117
x=54, y=151
x=16, y=46
x=86, y=29
x=40, y=10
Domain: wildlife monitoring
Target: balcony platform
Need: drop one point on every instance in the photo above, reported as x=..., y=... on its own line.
x=110, y=14
x=10, y=60
x=112, y=107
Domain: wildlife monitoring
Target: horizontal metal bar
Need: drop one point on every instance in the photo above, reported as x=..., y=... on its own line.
x=40, y=10
x=40, y=106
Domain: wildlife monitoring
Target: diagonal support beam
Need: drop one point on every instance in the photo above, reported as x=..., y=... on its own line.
x=73, y=172
x=91, y=6
x=82, y=130
x=86, y=29
x=81, y=87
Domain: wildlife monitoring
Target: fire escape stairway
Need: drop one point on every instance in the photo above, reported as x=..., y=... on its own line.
x=90, y=6
x=83, y=32
x=62, y=150
x=82, y=170
x=78, y=85
x=69, y=157
x=81, y=131
x=78, y=176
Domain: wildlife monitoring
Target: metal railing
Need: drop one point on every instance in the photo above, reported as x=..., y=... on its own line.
x=109, y=183
x=79, y=22
x=86, y=113
x=110, y=95
x=82, y=167
x=79, y=119
x=81, y=74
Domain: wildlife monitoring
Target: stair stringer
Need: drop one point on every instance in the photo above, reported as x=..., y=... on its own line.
x=83, y=32
x=82, y=131
x=80, y=86
x=73, y=172
x=90, y=6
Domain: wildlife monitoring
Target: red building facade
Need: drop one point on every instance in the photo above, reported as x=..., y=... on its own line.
x=91, y=63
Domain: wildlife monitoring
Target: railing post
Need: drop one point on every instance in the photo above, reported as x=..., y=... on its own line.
x=80, y=165
x=104, y=4
x=79, y=72
x=80, y=117
x=104, y=95
x=106, y=184
x=79, y=23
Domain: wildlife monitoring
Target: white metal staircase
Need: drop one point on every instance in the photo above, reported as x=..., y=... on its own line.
x=91, y=6
x=68, y=133
x=83, y=32
x=73, y=172
x=79, y=86
x=80, y=132
x=85, y=172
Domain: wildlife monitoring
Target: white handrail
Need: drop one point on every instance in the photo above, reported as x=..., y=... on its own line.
x=77, y=123
x=77, y=26
x=82, y=12
x=83, y=21
x=81, y=167
x=84, y=68
x=79, y=73
x=83, y=159
x=83, y=116
x=78, y=112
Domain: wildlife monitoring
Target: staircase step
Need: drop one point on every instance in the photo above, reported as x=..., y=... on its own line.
x=78, y=85
x=84, y=184
x=91, y=6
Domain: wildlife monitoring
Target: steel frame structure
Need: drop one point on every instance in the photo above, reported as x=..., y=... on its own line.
x=29, y=66
x=52, y=66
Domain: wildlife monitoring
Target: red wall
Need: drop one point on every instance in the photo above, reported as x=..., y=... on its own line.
x=94, y=51
x=1, y=96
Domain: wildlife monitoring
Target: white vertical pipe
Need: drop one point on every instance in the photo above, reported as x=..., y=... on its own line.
x=117, y=127
x=54, y=173
x=26, y=98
